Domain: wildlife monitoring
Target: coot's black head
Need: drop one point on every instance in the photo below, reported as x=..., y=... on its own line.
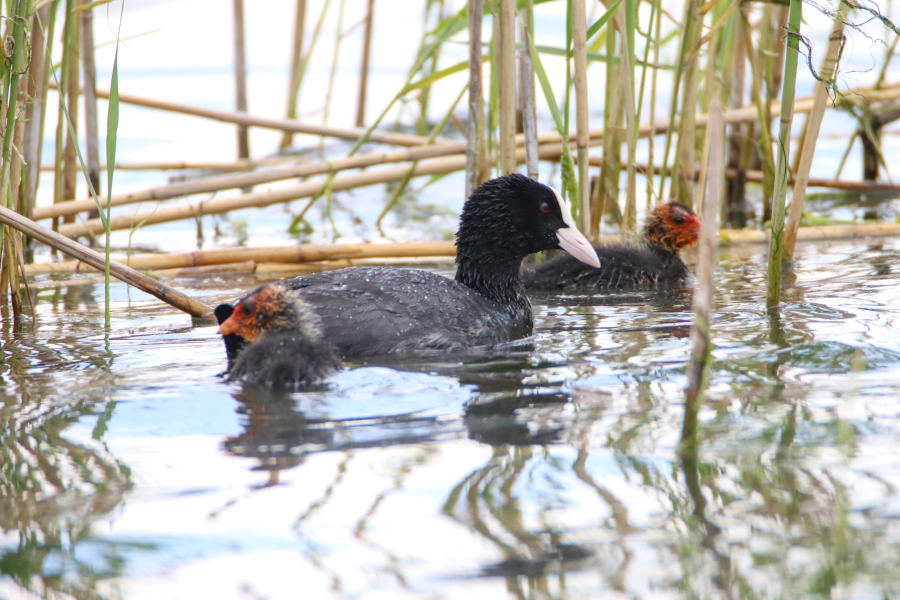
x=233, y=343
x=510, y=217
x=672, y=226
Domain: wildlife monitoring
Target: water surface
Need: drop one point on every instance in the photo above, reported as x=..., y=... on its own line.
x=132, y=469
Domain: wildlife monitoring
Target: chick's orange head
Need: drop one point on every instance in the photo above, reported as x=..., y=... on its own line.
x=684, y=223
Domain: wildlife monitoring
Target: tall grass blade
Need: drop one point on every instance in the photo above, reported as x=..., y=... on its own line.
x=112, y=129
x=782, y=173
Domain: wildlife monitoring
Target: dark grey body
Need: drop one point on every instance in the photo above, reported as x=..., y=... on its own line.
x=622, y=267
x=371, y=311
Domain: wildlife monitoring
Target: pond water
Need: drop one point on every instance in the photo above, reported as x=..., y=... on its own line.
x=130, y=468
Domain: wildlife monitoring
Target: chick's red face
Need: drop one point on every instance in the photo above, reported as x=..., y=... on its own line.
x=685, y=224
x=245, y=320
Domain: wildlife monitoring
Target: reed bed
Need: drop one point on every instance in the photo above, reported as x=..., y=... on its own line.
x=733, y=53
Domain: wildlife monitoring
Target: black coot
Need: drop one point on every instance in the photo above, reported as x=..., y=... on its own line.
x=375, y=311
x=654, y=262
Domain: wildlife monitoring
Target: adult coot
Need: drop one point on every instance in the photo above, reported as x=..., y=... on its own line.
x=372, y=311
x=654, y=262
x=290, y=354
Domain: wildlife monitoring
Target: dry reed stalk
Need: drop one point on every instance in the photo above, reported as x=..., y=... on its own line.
x=92, y=157
x=243, y=267
x=146, y=284
x=813, y=123
x=72, y=53
x=579, y=55
x=506, y=74
x=526, y=94
x=36, y=81
x=701, y=336
x=364, y=65
x=240, y=76
x=475, y=154
x=288, y=125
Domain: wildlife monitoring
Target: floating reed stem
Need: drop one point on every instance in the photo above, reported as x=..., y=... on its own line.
x=579, y=56
x=240, y=76
x=506, y=73
x=776, y=242
x=827, y=72
x=84, y=254
x=364, y=65
x=701, y=337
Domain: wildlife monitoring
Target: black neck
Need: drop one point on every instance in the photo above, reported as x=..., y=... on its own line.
x=496, y=278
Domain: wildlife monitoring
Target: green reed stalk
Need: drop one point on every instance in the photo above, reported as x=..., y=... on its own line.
x=776, y=240
x=650, y=141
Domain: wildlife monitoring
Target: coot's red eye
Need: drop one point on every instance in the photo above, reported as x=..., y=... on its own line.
x=545, y=207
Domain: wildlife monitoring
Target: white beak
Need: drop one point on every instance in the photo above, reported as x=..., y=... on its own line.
x=571, y=240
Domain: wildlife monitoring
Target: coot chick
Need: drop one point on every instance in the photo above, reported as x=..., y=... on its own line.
x=290, y=354
x=376, y=311
x=653, y=262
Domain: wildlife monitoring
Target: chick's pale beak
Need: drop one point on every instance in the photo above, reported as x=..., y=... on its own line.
x=571, y=240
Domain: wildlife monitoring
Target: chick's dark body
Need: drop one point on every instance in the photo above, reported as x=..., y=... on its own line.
x=622, y=267
x=371, y=311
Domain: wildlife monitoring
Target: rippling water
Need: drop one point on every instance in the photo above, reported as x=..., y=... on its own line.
x=130, y=468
